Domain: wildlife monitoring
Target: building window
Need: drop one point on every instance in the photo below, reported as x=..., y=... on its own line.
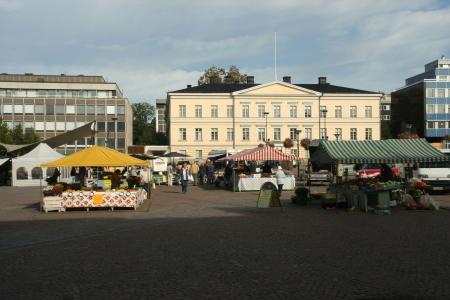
x=430, y=93
x=90, y=109
x=293, y=111
x=120, y=109
x=441, y=124
x=111, y=126
x=261, y=134
x=338, y=111
x=60, y=126
x=39, y=126
x=50, y=126
x=368, y=111
x=198, y=154
x=245, y=111
x=111, y=110
x=101, y=126
x=277, y=134
x=441, y=108
x=59, y=109
x=293, y=133
x=353, y=134
x=353, y=112
x=441, y=93
x=307, y=111
x=70, y=109
x=323, y=133
x=18, y=109
x=121, y=143
x=28, y=126
x=121, y=126
x=182, y=134
x=308, y=133
x=277, y=111
x=29, y=109
x=229, y=111
x=385, y=117
x=338, y=134
x=214, y=111
x=81, y=109
x=368, y=133
x=323, y=112
x=430, y=125
x=7, y=109
x=214, y=134
x=198, y=111
x=100, y=110
x=245, y=134
x=261, y=111
x=182, y=111
x=430, y=109
x=198, y=134
x=230, y=134
x=386, y=107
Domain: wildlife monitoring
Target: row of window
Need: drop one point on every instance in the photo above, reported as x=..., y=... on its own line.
x=438, y=108
x=437, y=93
x=61, y=109
x=438, y=124
x=64, y=126
x=276, y=111
x=57, y=93
x=261, y=134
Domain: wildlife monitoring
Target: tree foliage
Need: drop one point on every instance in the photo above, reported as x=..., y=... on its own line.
x=144, y=126
x=218, y=75
x=16, y=136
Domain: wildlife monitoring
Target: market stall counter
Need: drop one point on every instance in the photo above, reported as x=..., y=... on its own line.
x=61, y=196
x=254, y=182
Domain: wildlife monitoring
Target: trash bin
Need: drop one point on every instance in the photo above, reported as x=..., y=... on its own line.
x=301, y=196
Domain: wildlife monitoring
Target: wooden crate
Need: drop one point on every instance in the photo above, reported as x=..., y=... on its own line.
x=52, y=203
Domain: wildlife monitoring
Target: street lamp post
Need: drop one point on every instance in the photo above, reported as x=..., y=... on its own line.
x=337, y=135
x=297, y=134
x=115, y=131
x=266, y=133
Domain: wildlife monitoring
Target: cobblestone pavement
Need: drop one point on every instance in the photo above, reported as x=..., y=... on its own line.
x=211, y=244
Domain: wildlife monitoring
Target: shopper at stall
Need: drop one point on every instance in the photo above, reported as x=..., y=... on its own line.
x=211, y=173
x=195, y=169
x=386, y=173
x=202, y=174
x=184, y=177
x=116, y=178
x=280, y=175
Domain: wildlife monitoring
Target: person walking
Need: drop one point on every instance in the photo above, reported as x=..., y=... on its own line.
x=184, y=177
x=280, y=176
x=195, y=169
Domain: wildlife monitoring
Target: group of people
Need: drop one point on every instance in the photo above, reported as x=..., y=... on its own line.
x=198, y=173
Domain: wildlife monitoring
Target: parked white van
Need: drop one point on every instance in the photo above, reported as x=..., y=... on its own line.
x=436, y=174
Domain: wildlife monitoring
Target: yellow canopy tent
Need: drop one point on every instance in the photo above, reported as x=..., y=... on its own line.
x=96, y=156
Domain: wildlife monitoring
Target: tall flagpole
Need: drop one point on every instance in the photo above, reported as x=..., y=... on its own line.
x=275, y=60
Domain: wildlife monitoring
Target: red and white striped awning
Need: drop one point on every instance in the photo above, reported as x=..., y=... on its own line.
x=261, y=153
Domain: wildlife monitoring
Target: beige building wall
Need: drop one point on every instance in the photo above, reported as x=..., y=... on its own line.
x=270, y=96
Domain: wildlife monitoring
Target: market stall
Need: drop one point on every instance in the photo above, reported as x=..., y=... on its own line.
x=372, y=193
x=252, y=180
x=62, y=196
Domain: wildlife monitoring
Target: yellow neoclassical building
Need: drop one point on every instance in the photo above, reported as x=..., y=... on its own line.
x=235, y=117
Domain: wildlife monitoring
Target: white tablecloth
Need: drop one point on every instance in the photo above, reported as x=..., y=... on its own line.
x=254, y=184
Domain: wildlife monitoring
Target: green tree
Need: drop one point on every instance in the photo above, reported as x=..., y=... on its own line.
x=17, y=135
x=386, y=132
x=144, y=126
x=30, y=137
x=5, y=133
x=218, y=75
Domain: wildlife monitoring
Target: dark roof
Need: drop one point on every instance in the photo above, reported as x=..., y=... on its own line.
x=230, y=88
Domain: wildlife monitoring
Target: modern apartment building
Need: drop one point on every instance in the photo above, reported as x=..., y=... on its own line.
x=241, y=116
x=52, y=104
x=423, y=104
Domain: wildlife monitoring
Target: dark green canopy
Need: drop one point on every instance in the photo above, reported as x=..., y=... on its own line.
x=384, y=151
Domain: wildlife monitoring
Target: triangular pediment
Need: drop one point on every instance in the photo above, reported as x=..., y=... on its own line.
x=276, y=88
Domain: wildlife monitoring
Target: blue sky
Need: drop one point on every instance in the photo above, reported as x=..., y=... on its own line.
x=151, y=47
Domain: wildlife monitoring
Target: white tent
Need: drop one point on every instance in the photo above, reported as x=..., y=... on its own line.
x=26, y=170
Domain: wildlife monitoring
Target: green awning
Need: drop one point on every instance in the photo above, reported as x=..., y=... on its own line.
x=384, y=151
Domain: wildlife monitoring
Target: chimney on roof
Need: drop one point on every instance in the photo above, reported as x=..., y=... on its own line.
x=189, y=86
x=250, y=79
x=323, y=80
x=287, y=79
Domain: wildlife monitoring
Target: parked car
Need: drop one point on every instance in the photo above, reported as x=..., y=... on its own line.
x=320, y=177
x=374, y=170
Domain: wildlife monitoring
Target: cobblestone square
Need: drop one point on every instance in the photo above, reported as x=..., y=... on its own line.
x=214, y=244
